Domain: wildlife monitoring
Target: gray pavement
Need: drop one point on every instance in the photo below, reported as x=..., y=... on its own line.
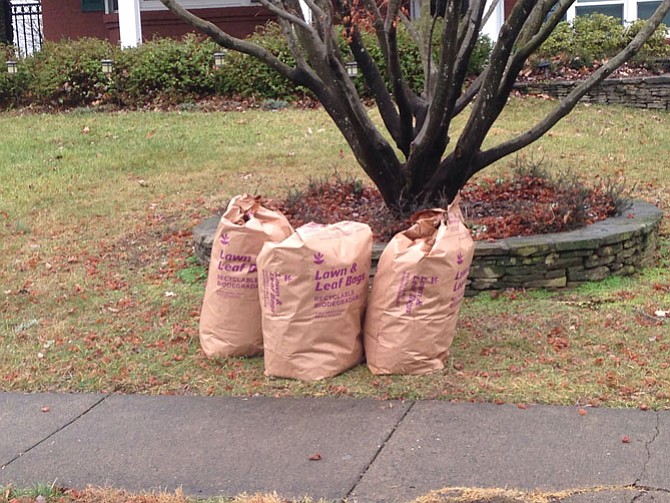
x=331, y=448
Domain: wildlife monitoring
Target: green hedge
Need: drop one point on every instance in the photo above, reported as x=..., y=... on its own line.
x=68, y=74
x=247, y=76
x=165, y=70
x=596, y=36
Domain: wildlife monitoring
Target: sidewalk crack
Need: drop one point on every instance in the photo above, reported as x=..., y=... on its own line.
x=647, y=445
x=58, y=430
x=379, y=450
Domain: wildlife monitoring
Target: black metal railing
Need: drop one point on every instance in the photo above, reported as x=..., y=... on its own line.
x=27, y=26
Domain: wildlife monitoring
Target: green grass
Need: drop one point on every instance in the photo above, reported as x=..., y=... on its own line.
x=96, y=212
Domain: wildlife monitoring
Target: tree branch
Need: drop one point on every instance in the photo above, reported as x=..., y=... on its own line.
x=470, y=27
x=539, y=33
x=570, y=101
x=489, y=101
x=466, y=98
x=392, y=9
x=445, y=79
x=229, y=42
x=489, y=12
x=409, y=26
x=377, y=86
x=284, y=14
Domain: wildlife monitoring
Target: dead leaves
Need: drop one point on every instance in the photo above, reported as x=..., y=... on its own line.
x=495, y=208
x=557, y=339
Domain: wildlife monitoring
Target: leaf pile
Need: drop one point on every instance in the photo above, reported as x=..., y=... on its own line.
x=558, y=70
x=494, y=209
x=529, y=205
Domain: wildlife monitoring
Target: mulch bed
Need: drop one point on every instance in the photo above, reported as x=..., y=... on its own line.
x=494, y=209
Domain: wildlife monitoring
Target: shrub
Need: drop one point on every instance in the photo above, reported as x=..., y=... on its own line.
x=597, y=36
x=480, y=56
x=9, y=84
x=559, y=42
x=655, y=47
x=165, y=70
x=246, y=76
x=67, y=73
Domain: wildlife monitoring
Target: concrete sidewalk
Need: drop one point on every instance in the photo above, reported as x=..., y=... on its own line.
x=336, y=449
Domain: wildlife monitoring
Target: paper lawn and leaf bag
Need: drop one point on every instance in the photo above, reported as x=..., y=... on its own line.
x=416, y=294
x=313, y=288
x=230, y=321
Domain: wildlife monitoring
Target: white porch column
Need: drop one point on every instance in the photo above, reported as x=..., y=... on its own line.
x=130, y=23
x=495, y=22
x=306, y=11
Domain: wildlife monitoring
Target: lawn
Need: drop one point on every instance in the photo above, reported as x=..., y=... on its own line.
x=99, y=290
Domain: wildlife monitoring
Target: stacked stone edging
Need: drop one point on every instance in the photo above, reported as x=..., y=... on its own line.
x=638, y=92
x=619, y=245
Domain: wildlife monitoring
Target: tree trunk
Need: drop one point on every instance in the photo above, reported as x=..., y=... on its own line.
x=410, y=168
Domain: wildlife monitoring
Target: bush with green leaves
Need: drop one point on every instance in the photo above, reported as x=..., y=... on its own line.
x=165, y=69
x=655, y=47
x=67, y=73
x=246, y=76
x=598, y=36
x=10, y=84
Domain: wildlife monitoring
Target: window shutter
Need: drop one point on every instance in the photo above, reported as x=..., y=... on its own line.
x=92, y=5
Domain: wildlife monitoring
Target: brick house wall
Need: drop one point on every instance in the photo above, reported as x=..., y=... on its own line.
x=64, y=19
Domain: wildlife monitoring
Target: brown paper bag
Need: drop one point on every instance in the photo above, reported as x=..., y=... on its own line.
x=416, y=294
x=313, y=288
x=230, y=320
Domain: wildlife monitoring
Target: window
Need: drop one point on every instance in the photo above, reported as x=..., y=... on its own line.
x=193, y=4
x=99, y=5
x=646, y=9
x=615, y=10
x=625, y=10
x=92, y=5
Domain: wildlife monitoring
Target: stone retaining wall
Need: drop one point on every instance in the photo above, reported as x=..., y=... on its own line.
x=616, y=246
x=639, y=92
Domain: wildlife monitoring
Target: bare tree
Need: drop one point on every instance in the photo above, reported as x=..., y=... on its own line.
x=415, y=167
